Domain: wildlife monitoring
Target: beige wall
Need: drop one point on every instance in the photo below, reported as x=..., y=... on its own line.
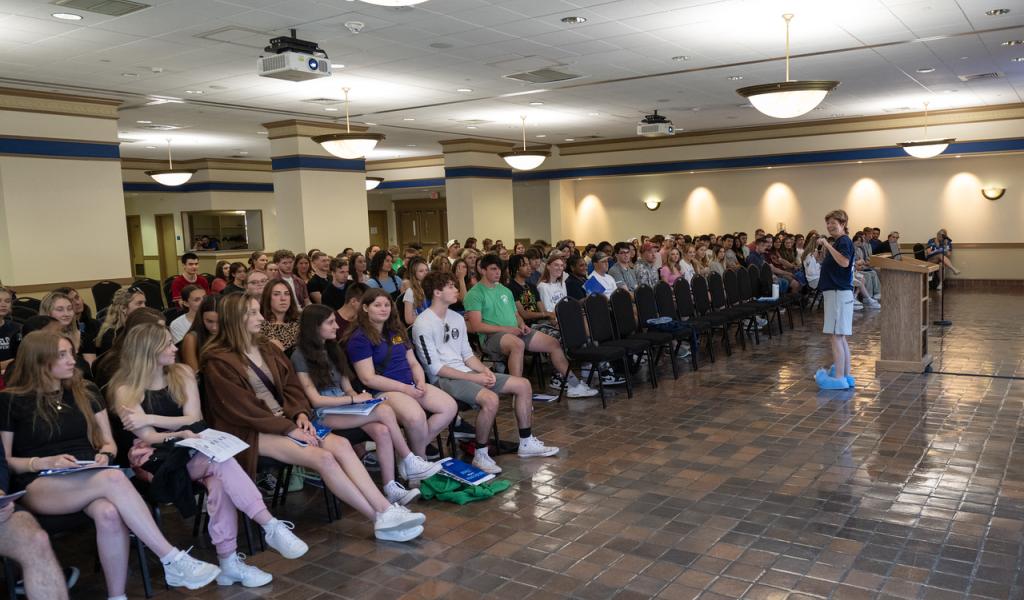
x=531, y=210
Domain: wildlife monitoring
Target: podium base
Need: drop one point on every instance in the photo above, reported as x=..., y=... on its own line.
x=942, y=322
x=904, y=366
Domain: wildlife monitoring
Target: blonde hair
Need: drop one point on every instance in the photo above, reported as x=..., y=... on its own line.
x=839, y=215
x=31, y=377
x=138, y=361
x=117, y=312
x=71, y=331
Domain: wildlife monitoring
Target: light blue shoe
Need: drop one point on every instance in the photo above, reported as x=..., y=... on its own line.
x=829, y=383
x=850, y=381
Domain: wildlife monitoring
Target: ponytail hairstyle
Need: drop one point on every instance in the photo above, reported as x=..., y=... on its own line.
x=117, y=312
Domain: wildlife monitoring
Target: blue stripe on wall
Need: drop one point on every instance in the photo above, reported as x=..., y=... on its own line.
x=199, y=186
x=483, y=172
x=59, y=148
x=802, y=158
x=320, y=163
x=410, y=183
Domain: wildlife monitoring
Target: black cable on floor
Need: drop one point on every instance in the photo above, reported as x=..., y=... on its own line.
x=1013, y=377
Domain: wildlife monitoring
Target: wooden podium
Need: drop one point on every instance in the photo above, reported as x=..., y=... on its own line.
x=904, y=313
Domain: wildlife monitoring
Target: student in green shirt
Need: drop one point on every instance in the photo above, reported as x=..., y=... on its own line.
x=491, y=313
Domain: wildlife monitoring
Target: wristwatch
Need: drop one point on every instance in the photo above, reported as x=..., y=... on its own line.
x=110, y=457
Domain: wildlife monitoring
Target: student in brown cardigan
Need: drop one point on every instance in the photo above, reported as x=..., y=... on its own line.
x=254, y=393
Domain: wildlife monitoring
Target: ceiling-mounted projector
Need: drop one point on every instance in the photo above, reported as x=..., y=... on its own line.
x=655, y=126
x=293, y=60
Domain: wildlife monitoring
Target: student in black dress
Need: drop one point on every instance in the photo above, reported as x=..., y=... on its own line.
x=50, y=418
x=156, y=399
x=10, y=331
x=125, y=301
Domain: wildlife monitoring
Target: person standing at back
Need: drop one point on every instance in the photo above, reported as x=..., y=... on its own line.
x=836, y=285
x=189, y=276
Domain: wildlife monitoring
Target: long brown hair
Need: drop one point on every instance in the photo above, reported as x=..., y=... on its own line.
x=291, y=315
x=232, y=336
x=31, y=377
x=415, y=284
x=320, y=354
x=391, y=332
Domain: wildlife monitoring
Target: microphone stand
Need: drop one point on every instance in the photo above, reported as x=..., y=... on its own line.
x=943, y=321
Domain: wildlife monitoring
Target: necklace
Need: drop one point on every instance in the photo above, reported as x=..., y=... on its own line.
x=56, y=399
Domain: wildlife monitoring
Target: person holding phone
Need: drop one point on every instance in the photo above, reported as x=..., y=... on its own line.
x=836, y=285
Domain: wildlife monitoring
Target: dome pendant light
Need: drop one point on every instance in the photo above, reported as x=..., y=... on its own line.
x=787, y=99
x=349, y=145
x=926, y=148
x=524, y=160
x=170, y=176
x=373, y=182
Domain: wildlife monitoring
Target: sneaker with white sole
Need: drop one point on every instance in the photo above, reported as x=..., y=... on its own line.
x=532, y=447
x=872, y=303
x=415, y=468
x=399, y=535
x=396, y=518
x=610, y=377
x=234, y=570
x=684, y=352
x=556, y=382
x=397, y=494
x=485, y=463
x=279, y=536
x=580, y=390
x=185, y=571
x=464, y=430
x=857, y=305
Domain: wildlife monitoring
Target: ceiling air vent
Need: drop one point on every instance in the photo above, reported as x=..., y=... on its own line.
x=323, y=101
x=472, y=121
x=542, y=76
x=113, y=8
x=978, y=76
x=161, y=127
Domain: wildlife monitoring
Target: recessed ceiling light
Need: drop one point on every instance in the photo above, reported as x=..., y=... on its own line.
x=196, y=92
x=337, y=66
x=860, y=162
x=593, y=114
x=997, y=12
x=130, y=75
x=331, y=109
x=574, y=20
x=470, y=126
x=410, y=145
x=464, y=90
x=570, y=139
x=680, y=58
x=144, y=122
x=1012, y=43
x=408, y=119
x=369, y=124
x=66, y=16
x=536, y=103
x=150, y=147
x=542, y=135
x=261, y=133
x=735, y=77
x=1017, y=59
x=926, y=69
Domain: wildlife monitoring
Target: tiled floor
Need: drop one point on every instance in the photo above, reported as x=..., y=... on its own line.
x=738, y=481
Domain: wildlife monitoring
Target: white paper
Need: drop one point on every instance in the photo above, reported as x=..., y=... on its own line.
x=218, y=445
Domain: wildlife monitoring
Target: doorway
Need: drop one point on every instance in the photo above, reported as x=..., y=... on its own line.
x=421, y=221
x=138, y=262
x=166, y=245
x=379, y=228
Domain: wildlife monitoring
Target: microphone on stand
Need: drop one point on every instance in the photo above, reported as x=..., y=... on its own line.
x=943, y=321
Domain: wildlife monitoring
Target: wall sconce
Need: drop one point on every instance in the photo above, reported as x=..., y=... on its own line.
x=652, y=203
x=993, y=192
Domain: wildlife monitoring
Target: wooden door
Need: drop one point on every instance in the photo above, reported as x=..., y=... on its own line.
x=138, y=262
x=166, y=244
x=407, y=227
x=430, y=221
x=379, y=228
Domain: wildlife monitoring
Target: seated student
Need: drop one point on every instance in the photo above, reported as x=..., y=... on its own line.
x=320, y=276
x=526, y=295
x=384, y=362
x=646, y=271
x=471, y=256
x=442, y=342
x=347, y=314
x=939, y=249
x=576, y=277
x=333, y=294
x=59, y=306
x=284, y=261
x=10, y=330
x=600, y=274
x=622, y=271
x=255, y=282
x=253, y=393
x=460, y=268
x=236, y=279
x=22, y=539
x=125, y=302
x=157, y=399
x=221, y=277
x=189, y=276
x=87, y=326
x=413, y=300
x=281, y=315
x=490, y=310
x=203, y=328
x=536, y=260
x=552, y=286
x=324, y=374
x=49, y=419
x=191, y=298
x=106, y=365
x=258, y=261
x=671, y=271
x=381, y=276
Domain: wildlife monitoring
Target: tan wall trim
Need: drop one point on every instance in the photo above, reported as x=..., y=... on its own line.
x=474, y=145
x=60, y=104
x=406, y=163
x=1000, y=112
x=86, y=284
x=972, y=246
x=226, y=164
x=298, y=128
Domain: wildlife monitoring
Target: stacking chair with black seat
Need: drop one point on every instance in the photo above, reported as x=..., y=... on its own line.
x=626, y=328
x=720, y=305
x=22, y=313
x=771, y=307
x=747, y=299
x=151, y=289
x=647, y=309
x=702, y=304
x=664, y=297
x=783, y=301
x=602, y=332
x=578, y=346
x=688, y=314
x=103, y=293
x=32, y=304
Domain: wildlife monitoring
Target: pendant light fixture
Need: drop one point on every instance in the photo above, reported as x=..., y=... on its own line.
x=926, y=148
x=524, y=160
x=170, y=176
x=349, y=145
x=373, y=182
x=787, y=99
x=394, y=3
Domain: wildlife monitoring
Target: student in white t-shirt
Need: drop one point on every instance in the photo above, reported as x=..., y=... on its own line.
x=551, y=287
x=192, y=298
x=601, y=276
x=442, y=345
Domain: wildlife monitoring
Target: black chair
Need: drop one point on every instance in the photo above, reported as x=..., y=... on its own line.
x=688, y=314
x=165, y=287
x=720, y=306
x=32, y=304
x=602, y=332
x=702, y=304
x=746, y=298
x=151, y=289
x=626, y=328
x=664, y=297
x=647, y=309
x=103, y=293
x=579, y=347
x=23, y=313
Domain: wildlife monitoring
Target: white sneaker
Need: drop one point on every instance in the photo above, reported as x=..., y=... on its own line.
x=872, y=303
x=185, y=571
x=399, y=535
x=485, y=463
x=416, y=468
x=580, y=390
x=234, y=570
x=397, y=494
x=857, y=305
x=279, y=536
x=684, y=352
x=532, y=447
x=394, y=519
